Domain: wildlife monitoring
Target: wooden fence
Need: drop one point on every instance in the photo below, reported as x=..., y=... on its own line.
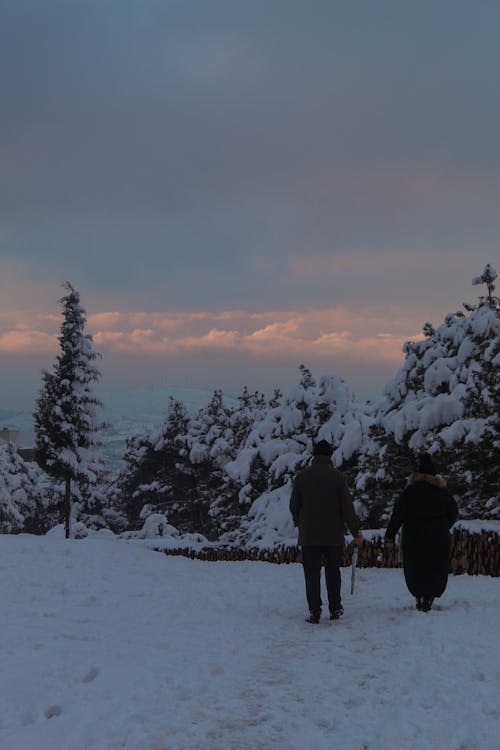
x=470, y=552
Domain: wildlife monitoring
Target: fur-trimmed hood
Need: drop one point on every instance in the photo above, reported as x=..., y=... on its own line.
x=436, y=481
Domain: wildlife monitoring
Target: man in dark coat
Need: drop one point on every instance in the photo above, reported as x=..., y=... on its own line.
x=321, y=506
x=426, y=510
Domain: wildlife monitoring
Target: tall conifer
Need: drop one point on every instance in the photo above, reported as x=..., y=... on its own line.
x=67, y=434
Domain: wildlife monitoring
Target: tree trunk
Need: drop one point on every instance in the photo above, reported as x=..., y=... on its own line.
x=67, y=508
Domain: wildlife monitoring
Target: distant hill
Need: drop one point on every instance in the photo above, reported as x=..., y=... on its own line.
x=127, y=412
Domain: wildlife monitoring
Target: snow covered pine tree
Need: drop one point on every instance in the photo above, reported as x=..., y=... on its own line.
x=20, y=497
x=67, y=434
x=445, y=400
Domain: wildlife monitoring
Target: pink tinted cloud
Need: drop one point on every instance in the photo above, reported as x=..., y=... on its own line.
x=366, y=335
x=27, y=342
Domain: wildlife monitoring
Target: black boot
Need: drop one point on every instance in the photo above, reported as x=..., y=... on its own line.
x=419, y=603
x=314, y=616
x=337, y=612
x=427, y=604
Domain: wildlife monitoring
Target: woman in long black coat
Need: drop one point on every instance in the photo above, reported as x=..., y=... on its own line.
x=426, y=510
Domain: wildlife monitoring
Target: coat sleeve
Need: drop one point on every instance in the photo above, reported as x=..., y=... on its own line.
x=348, y=512
x=397, y=518
x=295, y=501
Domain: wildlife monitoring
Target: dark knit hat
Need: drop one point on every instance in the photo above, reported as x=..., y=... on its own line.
x=426, y=464
x=323, y=448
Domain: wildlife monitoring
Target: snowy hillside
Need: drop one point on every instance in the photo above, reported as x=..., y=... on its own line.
x=108, y=645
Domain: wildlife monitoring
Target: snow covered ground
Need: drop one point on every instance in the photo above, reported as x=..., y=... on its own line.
x=106, y=645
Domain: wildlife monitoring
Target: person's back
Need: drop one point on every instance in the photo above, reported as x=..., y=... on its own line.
x=427, y=500
x=321, y=507
x=426, y=510
x=325, y=504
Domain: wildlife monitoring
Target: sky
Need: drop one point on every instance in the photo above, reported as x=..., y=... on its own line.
x=236, y=188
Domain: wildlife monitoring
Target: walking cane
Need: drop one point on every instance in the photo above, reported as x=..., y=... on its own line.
x=353, y=568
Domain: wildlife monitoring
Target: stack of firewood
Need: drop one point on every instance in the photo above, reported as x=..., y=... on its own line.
x=475, y=554
x=472, y=553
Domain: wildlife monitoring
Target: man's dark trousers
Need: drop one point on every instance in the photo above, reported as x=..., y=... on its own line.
x=312, y=557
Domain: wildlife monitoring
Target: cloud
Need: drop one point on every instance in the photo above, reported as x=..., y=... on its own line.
x=282, y=185
x=155, y=151
x=27, y=342
x=328, y=332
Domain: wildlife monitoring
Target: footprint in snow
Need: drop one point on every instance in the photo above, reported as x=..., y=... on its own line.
x=90, y=675
x=52, y=711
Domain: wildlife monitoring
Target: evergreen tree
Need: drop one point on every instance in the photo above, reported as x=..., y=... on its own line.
x=488, y=277
x=446, y=400
x=67, y=434
x=21, y=505
x=276, y=399
x=280, y=442
x=306, y=377
x=210, y=443
x=381, y=475
x=428, y=330
x=155, y=476
x=243, y=416
x=231, y=500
